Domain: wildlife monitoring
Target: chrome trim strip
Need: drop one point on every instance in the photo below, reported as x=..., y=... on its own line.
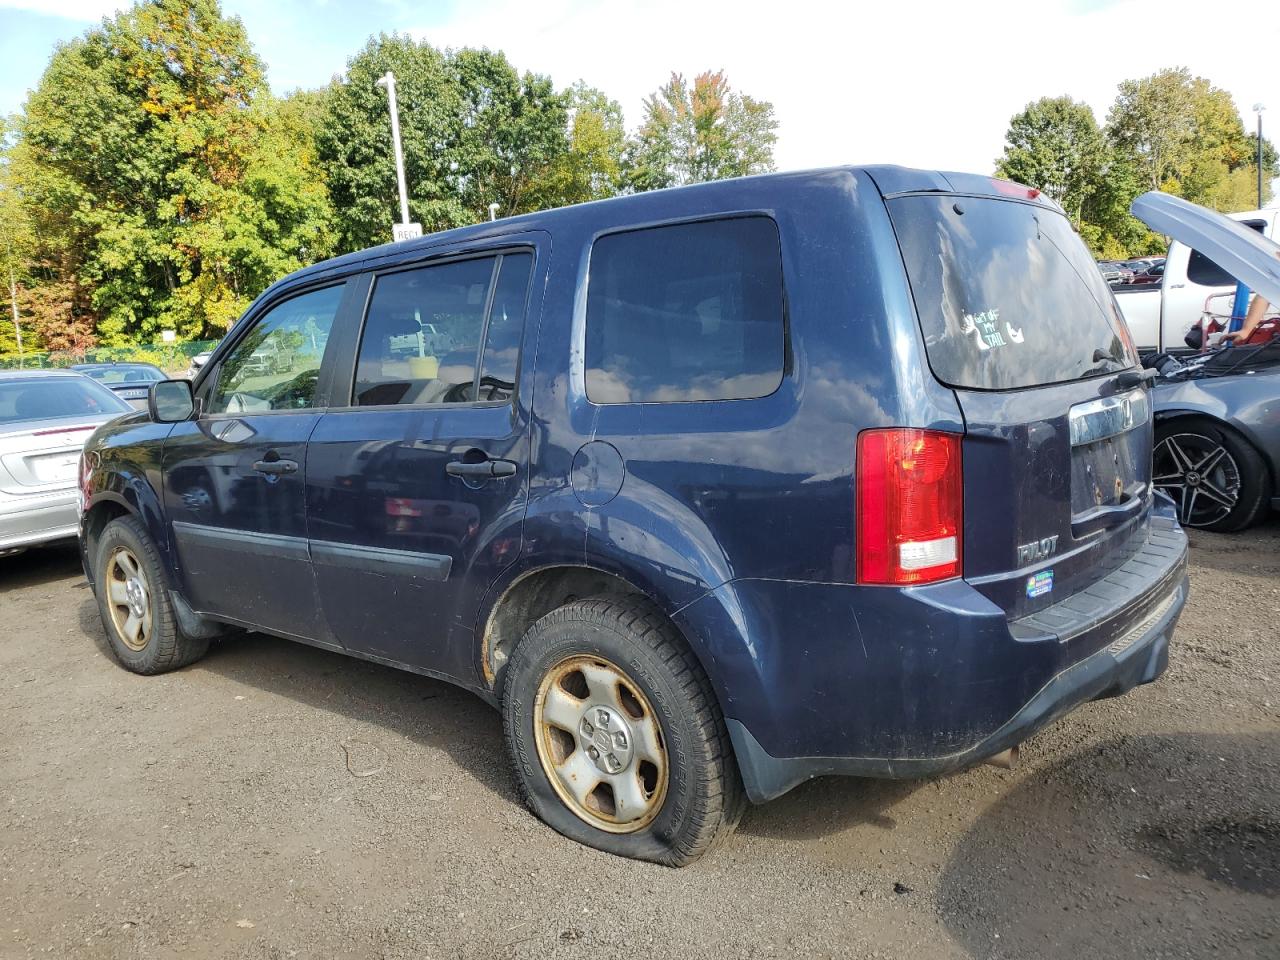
x=1108, y=417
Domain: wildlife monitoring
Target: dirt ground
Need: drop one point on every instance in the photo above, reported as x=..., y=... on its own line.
x=277, y=801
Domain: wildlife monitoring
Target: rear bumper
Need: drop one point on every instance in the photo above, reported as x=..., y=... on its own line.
x=817, y=679
x=1136, y=657
x=25, y=523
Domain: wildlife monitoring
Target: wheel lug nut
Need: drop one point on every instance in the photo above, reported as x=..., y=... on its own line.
x=602, y=718
x=593, y=753
x=587, y=728
x=612, y=762
x=620, y=740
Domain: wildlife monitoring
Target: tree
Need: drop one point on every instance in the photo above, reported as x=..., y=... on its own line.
x=474, y=132
x=1183, y=134
x=17, y=243
x=145, y=164
x=592, y=167
x=707, y=131
x=1056, y=146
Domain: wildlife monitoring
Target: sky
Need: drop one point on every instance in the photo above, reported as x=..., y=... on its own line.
x=916, y=82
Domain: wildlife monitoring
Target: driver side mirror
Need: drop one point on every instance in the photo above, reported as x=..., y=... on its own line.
x=171, y=401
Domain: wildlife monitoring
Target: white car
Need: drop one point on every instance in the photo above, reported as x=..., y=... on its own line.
x=197, y=362
x=45, y=418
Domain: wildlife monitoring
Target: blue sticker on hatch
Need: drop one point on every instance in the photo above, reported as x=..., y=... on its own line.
x=1038, y=584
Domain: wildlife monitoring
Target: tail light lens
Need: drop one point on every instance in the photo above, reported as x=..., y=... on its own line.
x=909, y=506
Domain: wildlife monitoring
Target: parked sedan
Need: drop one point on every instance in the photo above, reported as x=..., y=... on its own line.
x=45, y=418
x=128, y=381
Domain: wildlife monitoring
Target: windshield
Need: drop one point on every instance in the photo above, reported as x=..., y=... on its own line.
x=53, y=397
x=1008, y=295
x=138, y=374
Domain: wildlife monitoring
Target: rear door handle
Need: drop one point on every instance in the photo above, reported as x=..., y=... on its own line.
x=484, y=470
x=276, y=468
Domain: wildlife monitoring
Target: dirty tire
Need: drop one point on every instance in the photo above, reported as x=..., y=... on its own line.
x=703, y=799
x=164, y=646
x=1255, y=480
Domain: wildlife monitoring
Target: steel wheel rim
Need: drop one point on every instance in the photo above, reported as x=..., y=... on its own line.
x=600, y=744
x=1200, y=475
x=129, y=599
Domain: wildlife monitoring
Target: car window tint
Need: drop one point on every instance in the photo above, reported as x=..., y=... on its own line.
x=687, y=312
x=1007, y=294
x=506, y=325
x=276, y=366
x=1202, y=270
x=422, y=335
x=55, y=397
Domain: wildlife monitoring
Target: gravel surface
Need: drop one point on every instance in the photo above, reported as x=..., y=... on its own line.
x=278, y=801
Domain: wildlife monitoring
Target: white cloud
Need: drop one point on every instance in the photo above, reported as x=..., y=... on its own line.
x=89, y=11
x=920, y=82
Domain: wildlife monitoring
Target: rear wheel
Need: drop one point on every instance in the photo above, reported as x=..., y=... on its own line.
x=616, y=736
x=1218, y=481
x=134, y=605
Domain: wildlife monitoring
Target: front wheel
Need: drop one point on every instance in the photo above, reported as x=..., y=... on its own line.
x=616, y=737
x=136, y=612
x=1218, y=481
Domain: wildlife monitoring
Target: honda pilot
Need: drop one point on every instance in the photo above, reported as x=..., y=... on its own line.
x=709, y=490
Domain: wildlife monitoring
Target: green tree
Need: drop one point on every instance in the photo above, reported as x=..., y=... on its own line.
x=17, y=246
x=700, y=132
x=1181, y=133
x=474, y=132
x=592, y=166
x=145, y=165
x=1055, y=145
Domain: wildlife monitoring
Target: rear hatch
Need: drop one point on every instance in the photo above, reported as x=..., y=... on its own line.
x=1019, y=322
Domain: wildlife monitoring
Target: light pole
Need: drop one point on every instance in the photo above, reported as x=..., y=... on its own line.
x=404, y=230
x=1258, y=108
x=493, y=210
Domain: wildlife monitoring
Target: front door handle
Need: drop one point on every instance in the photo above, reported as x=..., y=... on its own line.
x=276, y=468
x=484, y=470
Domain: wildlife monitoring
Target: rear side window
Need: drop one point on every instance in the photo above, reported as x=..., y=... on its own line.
x=426, y=327
x=1202, y=270
x=1008, y=296
x=687, y=312
x=53, y=398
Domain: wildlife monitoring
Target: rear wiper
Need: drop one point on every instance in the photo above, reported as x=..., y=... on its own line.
x=1100, y=361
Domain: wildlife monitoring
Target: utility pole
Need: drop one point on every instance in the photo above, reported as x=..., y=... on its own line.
x=1258, y=108
x=404, y=230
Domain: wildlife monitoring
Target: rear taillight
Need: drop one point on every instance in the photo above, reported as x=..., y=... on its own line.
x=909, y=506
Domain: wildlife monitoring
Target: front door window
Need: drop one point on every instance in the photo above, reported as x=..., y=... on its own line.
x=276, y=366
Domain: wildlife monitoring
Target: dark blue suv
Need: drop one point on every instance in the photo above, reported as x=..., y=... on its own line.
x=710, y=490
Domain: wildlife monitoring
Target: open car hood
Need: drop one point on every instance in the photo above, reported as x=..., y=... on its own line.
x=1240, y=250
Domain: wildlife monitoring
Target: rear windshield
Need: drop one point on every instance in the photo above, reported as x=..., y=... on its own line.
x=1008, y=295
x=53, y=397
x=123, y=374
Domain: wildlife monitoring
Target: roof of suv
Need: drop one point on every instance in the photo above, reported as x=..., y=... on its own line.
x=658, y=204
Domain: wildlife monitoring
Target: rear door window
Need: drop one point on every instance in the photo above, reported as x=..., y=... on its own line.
x=1007, y=294
x=429, y=329
x=691, y=311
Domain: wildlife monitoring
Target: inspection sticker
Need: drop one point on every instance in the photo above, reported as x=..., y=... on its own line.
x=1038, y=584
